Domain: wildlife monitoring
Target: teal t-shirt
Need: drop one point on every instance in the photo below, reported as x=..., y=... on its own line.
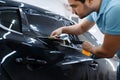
x=108, y=18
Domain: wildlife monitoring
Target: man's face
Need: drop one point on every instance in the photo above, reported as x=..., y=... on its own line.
x=79, y=8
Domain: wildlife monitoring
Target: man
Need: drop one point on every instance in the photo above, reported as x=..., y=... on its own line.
x=105, y=13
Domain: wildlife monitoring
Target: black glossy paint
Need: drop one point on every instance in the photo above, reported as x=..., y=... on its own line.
x=26, y=52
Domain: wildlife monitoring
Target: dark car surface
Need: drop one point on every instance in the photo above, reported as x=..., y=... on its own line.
x=28, y=53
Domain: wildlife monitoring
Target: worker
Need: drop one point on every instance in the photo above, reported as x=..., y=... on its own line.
x=104, y=13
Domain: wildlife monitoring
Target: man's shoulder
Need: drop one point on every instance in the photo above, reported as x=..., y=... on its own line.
x=113, y=3
x=113, y=7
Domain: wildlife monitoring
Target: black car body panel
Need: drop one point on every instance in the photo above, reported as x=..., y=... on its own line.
x=27, y=52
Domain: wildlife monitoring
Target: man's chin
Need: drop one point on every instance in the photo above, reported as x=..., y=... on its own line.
x=81, y=17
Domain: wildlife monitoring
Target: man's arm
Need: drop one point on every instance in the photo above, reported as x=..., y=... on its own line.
x=76, y=29
x=109, y=47
x=80, y=28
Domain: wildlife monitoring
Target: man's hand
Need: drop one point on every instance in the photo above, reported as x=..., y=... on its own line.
x=56, y=33
x=88, y=46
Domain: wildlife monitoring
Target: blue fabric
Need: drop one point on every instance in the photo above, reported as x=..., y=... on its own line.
x=108, y=20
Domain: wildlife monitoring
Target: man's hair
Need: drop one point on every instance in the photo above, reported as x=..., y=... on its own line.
x=81, y=1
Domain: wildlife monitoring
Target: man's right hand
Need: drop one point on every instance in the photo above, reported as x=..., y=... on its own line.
x=56, y=33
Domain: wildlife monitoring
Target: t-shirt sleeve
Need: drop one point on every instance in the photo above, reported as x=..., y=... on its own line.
x=90, y=18
x=112, y=24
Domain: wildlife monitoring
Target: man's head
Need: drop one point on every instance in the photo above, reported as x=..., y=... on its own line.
x=82, y=8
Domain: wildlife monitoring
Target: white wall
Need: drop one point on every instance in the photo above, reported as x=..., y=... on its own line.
x=57, y=6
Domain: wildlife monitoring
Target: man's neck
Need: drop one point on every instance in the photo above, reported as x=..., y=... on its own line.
x=98, y=5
